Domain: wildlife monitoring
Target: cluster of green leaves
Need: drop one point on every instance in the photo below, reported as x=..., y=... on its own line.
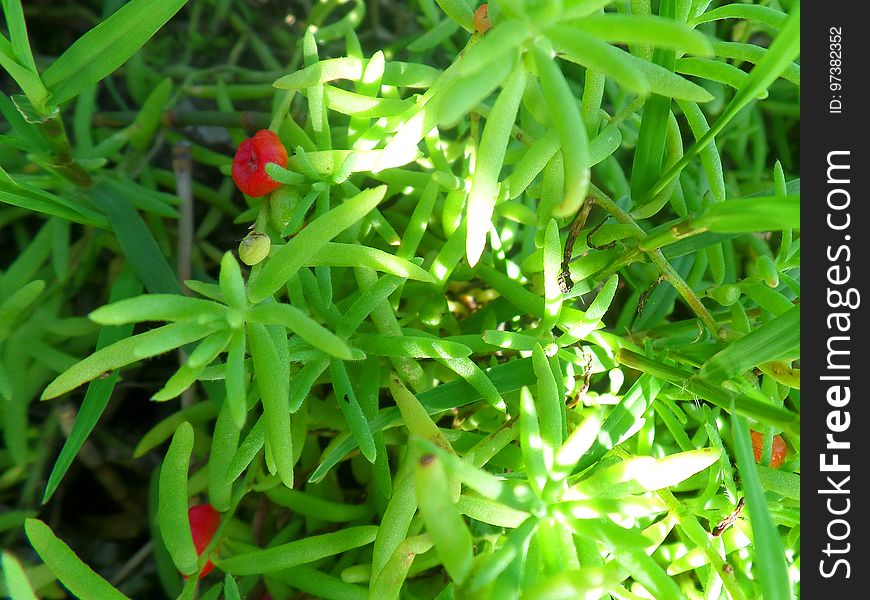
x=401, y=391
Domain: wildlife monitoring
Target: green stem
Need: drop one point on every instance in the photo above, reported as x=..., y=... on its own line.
x=715, y=394
x=661, y=263
x=58, y=142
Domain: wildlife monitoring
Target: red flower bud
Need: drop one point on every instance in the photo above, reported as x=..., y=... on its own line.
x=204, y=522
x=249, y=163
x=777, y=453
x=481, y=18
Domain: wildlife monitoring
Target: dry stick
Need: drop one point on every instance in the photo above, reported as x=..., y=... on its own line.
x=128, y=567
x=644, y=296
x=565, y=282
x=182, y=164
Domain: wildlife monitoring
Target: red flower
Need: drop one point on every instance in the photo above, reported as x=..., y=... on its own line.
x=249, y=163
x=777, y=453
x=204, y=522
x=481, y=18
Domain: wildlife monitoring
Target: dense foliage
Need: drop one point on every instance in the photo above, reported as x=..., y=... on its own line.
x=512, y=308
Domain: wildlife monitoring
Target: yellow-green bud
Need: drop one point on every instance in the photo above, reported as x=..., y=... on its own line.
x=767, y=270
x=254, y=248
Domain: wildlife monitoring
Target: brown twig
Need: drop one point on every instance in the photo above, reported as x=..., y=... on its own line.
x=587, y=377
x=644, y=295
x=182, y=164
x=565, y=282
x=729, y=520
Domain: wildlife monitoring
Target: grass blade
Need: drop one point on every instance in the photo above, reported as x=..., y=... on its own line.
x=136, y=241
x=99, y=391
x=18, y=34
x=769, y=554
x=769, y=342
x=107, y=46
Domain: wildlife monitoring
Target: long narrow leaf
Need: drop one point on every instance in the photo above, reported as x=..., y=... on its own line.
x=769, y=554
x=172, y=504
x=568, y=123
x=107, y=46
x=299, y=552
x=272, y=382
x=493, y=143
x=17, y=584
x=124, y=352
x=136, y=241
x=767, y=343
x=305, y=327
x=99, y=391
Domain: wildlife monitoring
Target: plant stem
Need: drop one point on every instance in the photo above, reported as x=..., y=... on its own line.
x=55, y=135
x=661, y=263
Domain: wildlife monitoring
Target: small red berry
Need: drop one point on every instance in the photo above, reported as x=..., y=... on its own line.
x=249, y=163
x=481, y=18
x=204, y=522
x=777, y=453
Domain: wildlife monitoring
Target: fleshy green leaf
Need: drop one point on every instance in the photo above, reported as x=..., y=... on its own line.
x=172, y=504
x=124, y=352
x=299, y=552
x=296, y=253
